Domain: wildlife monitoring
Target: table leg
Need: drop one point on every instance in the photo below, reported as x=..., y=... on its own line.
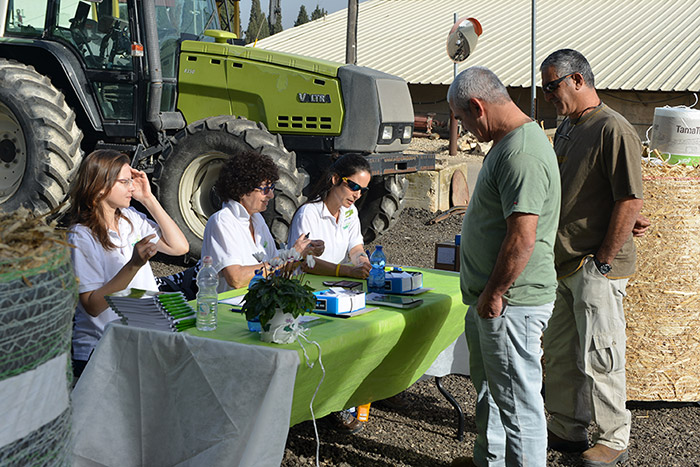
x=455, y=404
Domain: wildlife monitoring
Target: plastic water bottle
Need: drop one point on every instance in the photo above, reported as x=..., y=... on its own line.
x=376, y=280
x=207, y=299
x=254, y=324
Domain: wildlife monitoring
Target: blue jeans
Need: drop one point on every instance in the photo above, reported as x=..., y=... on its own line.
x=505, y=368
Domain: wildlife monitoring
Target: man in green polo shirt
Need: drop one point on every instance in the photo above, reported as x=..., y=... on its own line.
x=600, y=163
x=507, y=270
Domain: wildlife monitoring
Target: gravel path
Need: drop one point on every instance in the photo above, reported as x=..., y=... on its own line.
x=425, y=434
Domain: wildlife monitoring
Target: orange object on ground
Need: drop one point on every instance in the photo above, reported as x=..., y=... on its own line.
x=363, y=412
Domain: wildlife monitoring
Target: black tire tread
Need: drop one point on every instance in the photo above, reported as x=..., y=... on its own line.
x=52, y=124
x=383, y=206
x=288, y=194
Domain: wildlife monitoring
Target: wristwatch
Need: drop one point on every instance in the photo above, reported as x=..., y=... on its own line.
x=604, y=268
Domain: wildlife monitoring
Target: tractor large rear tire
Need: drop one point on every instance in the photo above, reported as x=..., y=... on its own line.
x=184, y=176
x=39, y=140
x=381, y=207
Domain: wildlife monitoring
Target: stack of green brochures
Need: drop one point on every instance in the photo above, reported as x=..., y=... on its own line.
x=165, y=311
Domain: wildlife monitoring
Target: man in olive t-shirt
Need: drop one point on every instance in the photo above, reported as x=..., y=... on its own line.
x=599, y=157
x=507, y=270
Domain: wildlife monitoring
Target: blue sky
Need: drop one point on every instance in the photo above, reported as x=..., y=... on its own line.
x=290, y=9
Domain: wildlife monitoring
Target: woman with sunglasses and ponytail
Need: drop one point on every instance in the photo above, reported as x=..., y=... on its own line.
x=113, y=241
x=330, y=215
x=238, y=231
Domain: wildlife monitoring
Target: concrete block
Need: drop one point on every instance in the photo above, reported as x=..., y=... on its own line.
x=430, y=189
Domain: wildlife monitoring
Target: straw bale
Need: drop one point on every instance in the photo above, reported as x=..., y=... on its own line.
x=663, y=298
x=26, y=240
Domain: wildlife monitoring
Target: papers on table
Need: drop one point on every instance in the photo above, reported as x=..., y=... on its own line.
x=413, y=292
x=153, y=310
x=233, y=301
x=396, y=301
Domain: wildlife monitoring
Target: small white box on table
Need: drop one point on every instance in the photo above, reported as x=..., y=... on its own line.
x=402, y=281
x=337, y=301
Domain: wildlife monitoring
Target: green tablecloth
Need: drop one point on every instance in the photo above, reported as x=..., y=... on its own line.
x=367, y=357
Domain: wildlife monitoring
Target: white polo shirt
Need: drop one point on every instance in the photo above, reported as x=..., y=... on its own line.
x=94, y=266
x=339, y=237
x=228, y=241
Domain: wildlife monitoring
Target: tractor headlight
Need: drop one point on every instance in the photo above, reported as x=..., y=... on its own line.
x=407, y=133
x=387, y=132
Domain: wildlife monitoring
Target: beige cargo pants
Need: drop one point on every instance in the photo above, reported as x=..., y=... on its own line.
x=584, y=350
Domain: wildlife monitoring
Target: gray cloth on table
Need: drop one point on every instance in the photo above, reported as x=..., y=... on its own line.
x=454, y=360
x=157, y=398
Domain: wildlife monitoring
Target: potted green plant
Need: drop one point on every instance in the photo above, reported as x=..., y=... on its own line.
x=280, y=297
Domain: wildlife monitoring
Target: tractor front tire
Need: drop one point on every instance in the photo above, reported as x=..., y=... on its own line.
x=39, y=140
x=381, y=207
x=185, y=175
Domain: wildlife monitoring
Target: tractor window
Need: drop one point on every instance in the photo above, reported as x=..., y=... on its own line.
x=26, y=18
x=100, y=33
x=179, y=20
x=188, y=17
x=116, y=100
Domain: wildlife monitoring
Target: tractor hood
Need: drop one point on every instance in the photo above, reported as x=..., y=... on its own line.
x=322, y=67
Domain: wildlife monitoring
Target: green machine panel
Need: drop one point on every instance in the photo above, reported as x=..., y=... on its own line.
x=289, y=94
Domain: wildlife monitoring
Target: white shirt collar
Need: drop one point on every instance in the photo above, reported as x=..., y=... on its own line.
x=238, y=210
x=325, y=212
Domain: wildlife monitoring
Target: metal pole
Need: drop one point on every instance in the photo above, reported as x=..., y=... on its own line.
x=236, y=18
x=351, y=38
x=454, y=65
x=533, y=93
x=454, y=125
x=275, y=9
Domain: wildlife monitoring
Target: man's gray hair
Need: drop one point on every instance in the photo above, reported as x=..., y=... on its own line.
x=567, y=61
x=477, y=82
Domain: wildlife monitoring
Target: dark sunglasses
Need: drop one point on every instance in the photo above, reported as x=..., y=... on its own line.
x=266, y=189
x=355, y=187
x=554, y=84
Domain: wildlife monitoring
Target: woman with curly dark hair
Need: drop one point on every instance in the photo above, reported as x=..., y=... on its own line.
x=238, y=231
x=113, y=242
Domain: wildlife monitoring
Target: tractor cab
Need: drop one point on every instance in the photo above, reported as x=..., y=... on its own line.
x=110, y=39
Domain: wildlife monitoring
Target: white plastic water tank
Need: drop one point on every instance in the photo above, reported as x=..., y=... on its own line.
x=676, y=134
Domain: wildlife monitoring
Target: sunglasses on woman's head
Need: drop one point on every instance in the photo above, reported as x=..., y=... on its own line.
x=355, y=186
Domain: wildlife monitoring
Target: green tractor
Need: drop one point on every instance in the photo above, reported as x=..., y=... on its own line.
x=159, y=80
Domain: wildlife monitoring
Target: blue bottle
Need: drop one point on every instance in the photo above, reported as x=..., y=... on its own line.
x=376, y=280
x=254, y=324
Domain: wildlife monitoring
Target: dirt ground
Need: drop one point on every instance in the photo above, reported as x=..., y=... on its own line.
x=425, y=434
x=663, y=434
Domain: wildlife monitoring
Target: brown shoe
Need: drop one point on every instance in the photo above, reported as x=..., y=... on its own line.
x=346, y=422
x=555, y=443
x=463, y=462
x=600, y=456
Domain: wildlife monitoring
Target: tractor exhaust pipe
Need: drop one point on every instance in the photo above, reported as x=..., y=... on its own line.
x=159, y=120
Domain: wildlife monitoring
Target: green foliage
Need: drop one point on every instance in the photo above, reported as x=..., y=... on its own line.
x=277, y=27
x=290, y=294
x=258, y=27
x=302, y=17
x=318, y=13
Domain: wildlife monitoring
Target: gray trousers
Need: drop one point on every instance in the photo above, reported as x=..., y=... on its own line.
x=584, y=349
